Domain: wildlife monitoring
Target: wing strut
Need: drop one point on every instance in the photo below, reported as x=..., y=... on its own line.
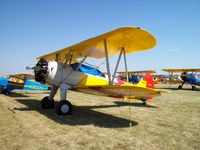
x=122, y=51
x=107, y=62
x=119, y=58
x=126, y=68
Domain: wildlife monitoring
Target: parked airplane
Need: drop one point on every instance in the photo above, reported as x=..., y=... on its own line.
x=21, y=81
x=134, y=76
x=61, y=69
x=188, y=75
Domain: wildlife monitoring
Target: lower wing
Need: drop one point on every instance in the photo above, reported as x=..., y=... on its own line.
x=118, y=91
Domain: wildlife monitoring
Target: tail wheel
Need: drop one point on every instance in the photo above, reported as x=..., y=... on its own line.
x=180, y=87
x=46, y=103
x=193, y=87
x=144, y=100
x=64, y=108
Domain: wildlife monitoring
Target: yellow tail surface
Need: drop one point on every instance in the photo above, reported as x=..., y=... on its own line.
x=142, y=83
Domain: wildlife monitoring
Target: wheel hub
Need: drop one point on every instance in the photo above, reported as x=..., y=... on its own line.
x=65, y=108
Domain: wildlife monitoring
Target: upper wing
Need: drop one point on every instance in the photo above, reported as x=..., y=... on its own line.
x=131, y=38
x=182, y=70
x=118, y=91
x=22, y=76
x=140, y=71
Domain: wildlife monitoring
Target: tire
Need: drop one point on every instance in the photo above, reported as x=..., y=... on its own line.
x=64, y=108
x=144, y=103
x=144, y=100
x=193, y=87
x=179, y=87
x=1, y=90
x=47, y=104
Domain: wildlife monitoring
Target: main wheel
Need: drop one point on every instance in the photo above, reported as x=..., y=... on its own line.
x=179, y=87
x=6, y=92
x=193, y=87
x=64, y=108
x=1, y=90
x=46, y=103
x=144, y=103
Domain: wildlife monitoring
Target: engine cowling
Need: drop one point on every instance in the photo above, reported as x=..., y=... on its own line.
x=41, y=71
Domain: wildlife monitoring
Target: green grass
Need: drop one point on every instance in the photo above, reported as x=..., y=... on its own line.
x=171, y=121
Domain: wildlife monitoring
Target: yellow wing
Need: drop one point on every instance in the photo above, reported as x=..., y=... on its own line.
x=131, y=38
x=139, y=71
x=22, y=76
x=118, y=91
x=182, y=70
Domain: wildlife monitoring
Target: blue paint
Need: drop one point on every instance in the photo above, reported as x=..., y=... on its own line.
x=135, y=78
x=193, y=79
x=27, y=85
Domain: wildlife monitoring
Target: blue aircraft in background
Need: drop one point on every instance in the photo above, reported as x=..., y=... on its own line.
x=134, y=76
x=21, y=81
x=192, y=78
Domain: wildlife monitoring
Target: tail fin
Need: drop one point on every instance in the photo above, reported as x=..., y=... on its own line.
x=147, y=81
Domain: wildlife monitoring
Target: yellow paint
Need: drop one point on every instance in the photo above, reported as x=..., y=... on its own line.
x=142, y=83
x=130, y=38
x=139, y=72
x=91, y=80
x=128, y=91
x=182, y=70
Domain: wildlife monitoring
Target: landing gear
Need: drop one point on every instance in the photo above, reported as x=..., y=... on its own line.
x=46, y=103
x=144, y=100
x=64, y=108
x=193, y=87
x=144, y=103
x=1, y=90
x=180, y=87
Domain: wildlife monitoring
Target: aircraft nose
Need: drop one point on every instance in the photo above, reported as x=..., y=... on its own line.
x=41, y=70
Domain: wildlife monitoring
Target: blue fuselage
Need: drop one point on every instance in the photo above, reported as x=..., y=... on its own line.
x=193, y=79
x=27, y=85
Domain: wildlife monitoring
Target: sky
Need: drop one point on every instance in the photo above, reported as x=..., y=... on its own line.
x=29, y=29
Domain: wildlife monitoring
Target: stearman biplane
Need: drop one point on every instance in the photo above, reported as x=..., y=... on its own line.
x=21, y=81
x=188, y=75
x=65, y=68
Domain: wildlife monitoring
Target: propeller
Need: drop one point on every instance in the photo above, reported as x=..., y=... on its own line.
x=40, y=70
x=184, y=76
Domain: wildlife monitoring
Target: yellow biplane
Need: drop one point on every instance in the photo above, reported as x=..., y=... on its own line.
x=65, y=68
x=187, y=75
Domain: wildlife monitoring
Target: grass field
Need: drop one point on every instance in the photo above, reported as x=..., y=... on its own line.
x=171, y=121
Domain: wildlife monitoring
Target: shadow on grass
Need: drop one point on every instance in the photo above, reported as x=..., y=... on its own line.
x=13, y=94
x=134, y=104
x=177, y=89
x=81, y=115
